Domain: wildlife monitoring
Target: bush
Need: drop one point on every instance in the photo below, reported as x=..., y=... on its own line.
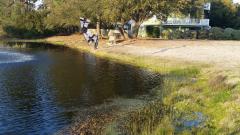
x=236, y=35
x=189, y=34
x=203, y=34
x=216, y=33
x=224, y=34
x=166, y=34
x=153, y=31
x=228, y=33
x=177, y=34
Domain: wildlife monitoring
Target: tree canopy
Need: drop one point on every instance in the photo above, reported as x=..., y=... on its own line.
x=225, y=14
x=21, y=18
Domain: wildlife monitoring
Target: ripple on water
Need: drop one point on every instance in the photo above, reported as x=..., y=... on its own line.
x=7, y=57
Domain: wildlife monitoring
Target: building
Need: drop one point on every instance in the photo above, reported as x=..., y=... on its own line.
x=191, y=22
x=172, y=24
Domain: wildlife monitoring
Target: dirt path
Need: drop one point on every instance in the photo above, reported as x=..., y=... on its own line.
x=219, y=53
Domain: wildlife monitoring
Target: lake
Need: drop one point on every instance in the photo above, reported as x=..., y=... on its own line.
x=43, y=87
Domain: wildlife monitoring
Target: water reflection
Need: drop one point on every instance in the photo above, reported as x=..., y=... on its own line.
x=42, y=96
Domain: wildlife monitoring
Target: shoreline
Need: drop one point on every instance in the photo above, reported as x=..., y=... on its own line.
x=154, y=64
x=152, y=54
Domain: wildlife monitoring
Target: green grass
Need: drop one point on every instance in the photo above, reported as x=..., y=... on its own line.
x=211, y=96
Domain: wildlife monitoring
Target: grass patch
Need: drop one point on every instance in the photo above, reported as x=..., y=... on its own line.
x=187, y=108
x=222, y=97
x=190, y=72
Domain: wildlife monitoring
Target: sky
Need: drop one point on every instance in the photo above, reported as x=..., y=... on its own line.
x=236, y=1
x=38, y=3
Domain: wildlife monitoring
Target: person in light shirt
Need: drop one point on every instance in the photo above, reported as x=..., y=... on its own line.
x=89, y=36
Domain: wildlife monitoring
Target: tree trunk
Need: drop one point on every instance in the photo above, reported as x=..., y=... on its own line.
x=123, y=33
x=99, y=29
x=136, y=29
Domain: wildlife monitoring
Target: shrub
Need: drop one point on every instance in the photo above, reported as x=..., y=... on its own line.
x=203, y=34
x=236, y=34
x=193, y=34
x=216, y=33
x=166, y=34
x=153, y=31
x=156, y=32
x=189, y=34
x=228, y=33
x=178, y=34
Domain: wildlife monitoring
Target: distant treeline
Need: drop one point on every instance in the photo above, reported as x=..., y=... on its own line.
x=20, y=18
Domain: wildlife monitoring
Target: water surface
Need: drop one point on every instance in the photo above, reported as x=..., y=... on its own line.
x=42, y=87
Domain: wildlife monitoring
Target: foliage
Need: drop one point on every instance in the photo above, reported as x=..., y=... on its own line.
x=166, y=34
x=181, y=33
x=206, y=102
x=236, y=34
x=190, y=34
x=140, y=10
x=177, y=34
x=153, y=31
x=216, y=33
x=22, y=19
x=194, y=8
x=228, y=33
x=225, y=14
x=203, y=34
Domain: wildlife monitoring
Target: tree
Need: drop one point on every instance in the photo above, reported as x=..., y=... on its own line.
x=224, y=14
x=20, y=19
x=193, y=7
x=63, y=16
x=140, y=10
